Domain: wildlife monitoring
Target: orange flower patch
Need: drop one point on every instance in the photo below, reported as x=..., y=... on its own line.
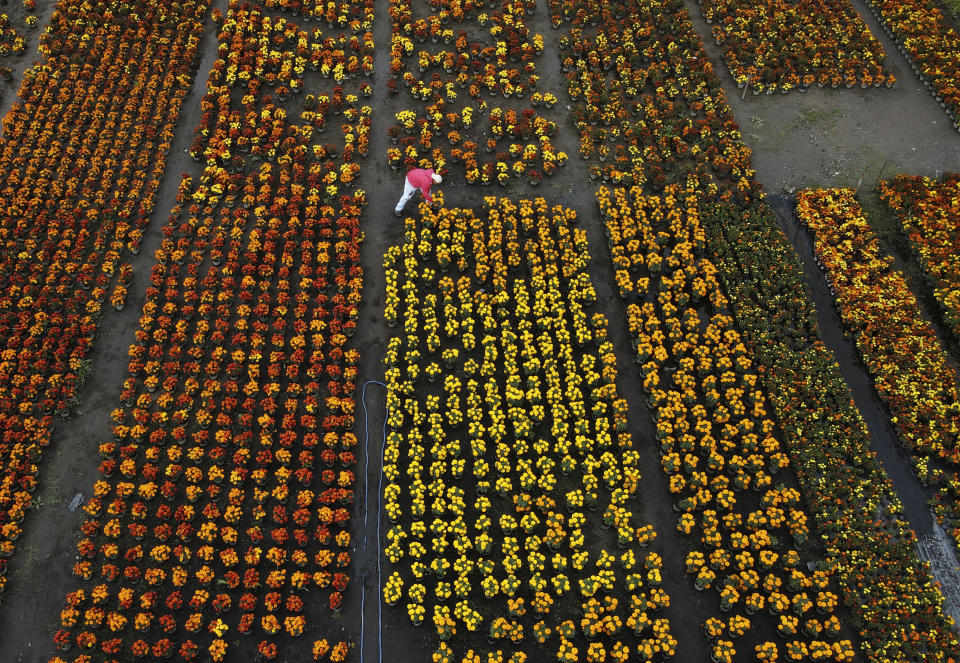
x=646, y=101
x=82, y=156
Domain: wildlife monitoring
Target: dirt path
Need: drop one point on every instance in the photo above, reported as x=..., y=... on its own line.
x=381, y=229
x=28, y=618
x=830, y=138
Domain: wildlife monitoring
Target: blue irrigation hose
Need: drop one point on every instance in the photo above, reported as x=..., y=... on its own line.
x=366, y=465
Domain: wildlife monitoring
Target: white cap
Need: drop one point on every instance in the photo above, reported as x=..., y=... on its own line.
x=436, y=178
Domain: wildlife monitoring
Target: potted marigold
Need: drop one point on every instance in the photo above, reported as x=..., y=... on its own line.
x=266, y=650
x=140, y=649
x=189, y=650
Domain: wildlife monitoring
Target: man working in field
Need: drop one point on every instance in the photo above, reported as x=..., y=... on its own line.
x=418, y=178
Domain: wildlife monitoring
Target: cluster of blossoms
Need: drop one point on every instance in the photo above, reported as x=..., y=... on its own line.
x=453, y=138
x=928, y=212
x=783, y=46
x=647, y=103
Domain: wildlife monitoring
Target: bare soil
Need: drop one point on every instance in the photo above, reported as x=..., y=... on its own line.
x=843, y=137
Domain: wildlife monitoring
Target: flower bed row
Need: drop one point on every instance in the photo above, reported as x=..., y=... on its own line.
x=508, y=446
x=340, y=57
x=531, y=157
x=229, y=132
x=354, y=14
x=909, y=366
x=910, y=369
x=784, y=46
x=82, y=155
x=896, y=606
x=226, y=494
x=647, y=102
x=929, y=41
x=226, y=501
x=717, y=442
x=501, y=64
x=929, y=216
x=451, y=137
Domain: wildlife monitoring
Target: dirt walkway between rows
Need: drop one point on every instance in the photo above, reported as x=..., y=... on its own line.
x=843, y=137
x=381, y=229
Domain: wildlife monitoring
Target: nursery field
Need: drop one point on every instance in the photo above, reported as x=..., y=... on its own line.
x=666, y=367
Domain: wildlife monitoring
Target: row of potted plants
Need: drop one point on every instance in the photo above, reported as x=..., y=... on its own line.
x=355, y=14
x=226, y=494
x=531, y=158
x=342, y=57
x=495, y=476
x=646, y=98
x=717, y=442
x=443, y=133
x=928, y=39
x=209, y=454
x=919, y=386
x=895, y=605
x=928, y=213
x=257, y=129
x=83, y=152
x=782, y=46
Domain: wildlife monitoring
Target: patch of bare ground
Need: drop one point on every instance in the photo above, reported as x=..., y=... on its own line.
x=840, y=137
